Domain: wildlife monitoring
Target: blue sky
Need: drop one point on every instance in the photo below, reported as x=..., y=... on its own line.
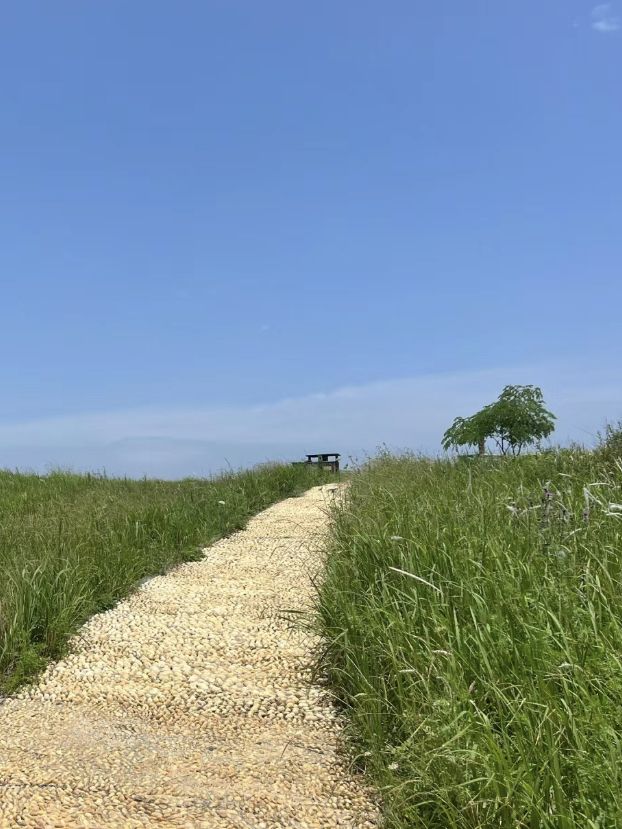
x=236, y=230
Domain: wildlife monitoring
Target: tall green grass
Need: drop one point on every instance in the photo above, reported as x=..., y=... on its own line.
x=473, y=618
x=72, y=545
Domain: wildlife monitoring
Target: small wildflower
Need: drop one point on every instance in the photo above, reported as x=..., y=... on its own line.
x=393, y=766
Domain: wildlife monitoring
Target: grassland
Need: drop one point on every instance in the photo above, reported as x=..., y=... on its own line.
x=73, y=545
x=473, y=618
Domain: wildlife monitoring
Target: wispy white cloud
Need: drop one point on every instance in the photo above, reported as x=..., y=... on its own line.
x=408, y=412
x=605, y=19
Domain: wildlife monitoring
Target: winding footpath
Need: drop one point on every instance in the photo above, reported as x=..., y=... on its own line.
x=190, y=704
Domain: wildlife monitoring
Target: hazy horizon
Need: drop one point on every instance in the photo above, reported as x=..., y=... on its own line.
x=407, y=413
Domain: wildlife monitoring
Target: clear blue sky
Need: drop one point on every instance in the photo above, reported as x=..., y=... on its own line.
x=219, y=205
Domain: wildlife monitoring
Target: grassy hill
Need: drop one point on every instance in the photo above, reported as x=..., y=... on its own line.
x=73, y=545
x=473, y=612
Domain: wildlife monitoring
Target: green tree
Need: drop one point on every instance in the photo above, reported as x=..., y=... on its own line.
x=518, y=418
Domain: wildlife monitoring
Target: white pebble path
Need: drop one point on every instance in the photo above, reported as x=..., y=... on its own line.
x=189, y=704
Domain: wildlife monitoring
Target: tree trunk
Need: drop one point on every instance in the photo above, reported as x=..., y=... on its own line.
x=482, y=446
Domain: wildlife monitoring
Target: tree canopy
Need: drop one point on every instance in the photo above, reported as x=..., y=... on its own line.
x=518, y=418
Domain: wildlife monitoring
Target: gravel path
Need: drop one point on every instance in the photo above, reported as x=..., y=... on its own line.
x=189, y=703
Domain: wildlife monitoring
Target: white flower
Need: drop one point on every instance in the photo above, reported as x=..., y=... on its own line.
x=393, y=766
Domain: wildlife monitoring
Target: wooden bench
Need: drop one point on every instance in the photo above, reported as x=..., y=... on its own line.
x=325, y=460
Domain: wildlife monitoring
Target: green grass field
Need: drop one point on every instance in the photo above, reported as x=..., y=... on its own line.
x=72, y=545
x=473, y=618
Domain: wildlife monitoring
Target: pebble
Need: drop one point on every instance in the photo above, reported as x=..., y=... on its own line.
x=190, y=703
